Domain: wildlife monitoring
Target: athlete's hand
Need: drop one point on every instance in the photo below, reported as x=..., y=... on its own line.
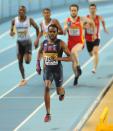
x=58, y=58
x=36, y=43
x=38, y=68
x=12, y=33
x=94, y=37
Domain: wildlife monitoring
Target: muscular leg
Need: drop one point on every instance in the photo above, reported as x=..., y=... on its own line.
x=96, y=57
x=21, y=68
x=75, y=61
x=74, y=55
x=61, y=93
x=27, y=58
x=47, y=95
x=47, y=100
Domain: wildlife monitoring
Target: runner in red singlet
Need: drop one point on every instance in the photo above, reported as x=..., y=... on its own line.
x=75, y=25
x=91, y=42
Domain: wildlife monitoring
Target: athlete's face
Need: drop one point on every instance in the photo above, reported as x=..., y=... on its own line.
x=73, y=11
x=22, y=12
x=52, y=33
x=92, y=9
x=46, y=14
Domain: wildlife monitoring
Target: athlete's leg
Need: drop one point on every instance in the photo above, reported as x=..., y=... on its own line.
x=95, y=54
x=61, y=93
x=75, y=61
x=96, y=58
x=20, y=56
x=47, y=81
x=47, y=95
x=27, y=58
x=20, y=63
x=21, y=68
x=28, y=51
x=58, y=77
x=75, y=58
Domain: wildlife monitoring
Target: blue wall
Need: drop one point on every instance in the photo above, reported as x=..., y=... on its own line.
x=8, y=8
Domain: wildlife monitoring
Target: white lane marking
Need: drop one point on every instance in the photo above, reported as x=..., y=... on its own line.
x=40, y=97
x=17, y=85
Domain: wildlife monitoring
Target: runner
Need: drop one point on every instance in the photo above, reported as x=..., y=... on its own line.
x=24, y=45
x=46, y=22
x=44, y=26
x=52, y=50
x=75, y=25
x=93, y=44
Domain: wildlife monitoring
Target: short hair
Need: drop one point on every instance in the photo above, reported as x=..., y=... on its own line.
x=92, y=5
x=74, y=5
x=53, y=25
x=46, y=9
x=22, y=6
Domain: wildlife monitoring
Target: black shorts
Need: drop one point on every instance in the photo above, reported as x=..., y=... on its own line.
x=54, y=73
x=24, y=47
x=90, y=44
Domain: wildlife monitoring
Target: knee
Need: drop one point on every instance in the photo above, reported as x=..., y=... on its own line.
x=20, y=62
x=27, y=61
x=95, y=52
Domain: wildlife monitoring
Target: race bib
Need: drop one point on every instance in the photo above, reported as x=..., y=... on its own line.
x=74, y=32
x=49, y=58
x=22, y=34
x=90, y=31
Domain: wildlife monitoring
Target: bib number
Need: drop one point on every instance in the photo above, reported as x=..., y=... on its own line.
x=74, y=32
x=90, y=31
x=22, y=34
x=49, y=59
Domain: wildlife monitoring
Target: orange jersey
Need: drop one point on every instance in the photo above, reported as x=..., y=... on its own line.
x=89, y=32
x=75, y=32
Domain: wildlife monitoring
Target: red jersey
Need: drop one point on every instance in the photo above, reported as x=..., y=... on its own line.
x=89, y=32
x=75, y=32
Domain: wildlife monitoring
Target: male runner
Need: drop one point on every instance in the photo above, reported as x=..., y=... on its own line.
x=24, y=45
x=51, y=50
x=46, y=22
x=75, y=25
x=93, y=44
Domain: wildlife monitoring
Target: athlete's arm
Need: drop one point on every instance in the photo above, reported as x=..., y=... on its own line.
x=40, y=51
x=86, y=21
x=33, y=23
x=89, y=23
x=41, y=31
x=39, y=36
x=103, y=23
x=65, y=27
x=12, y=32
x=66, y=51
x=60, y=30
x=39, y=56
